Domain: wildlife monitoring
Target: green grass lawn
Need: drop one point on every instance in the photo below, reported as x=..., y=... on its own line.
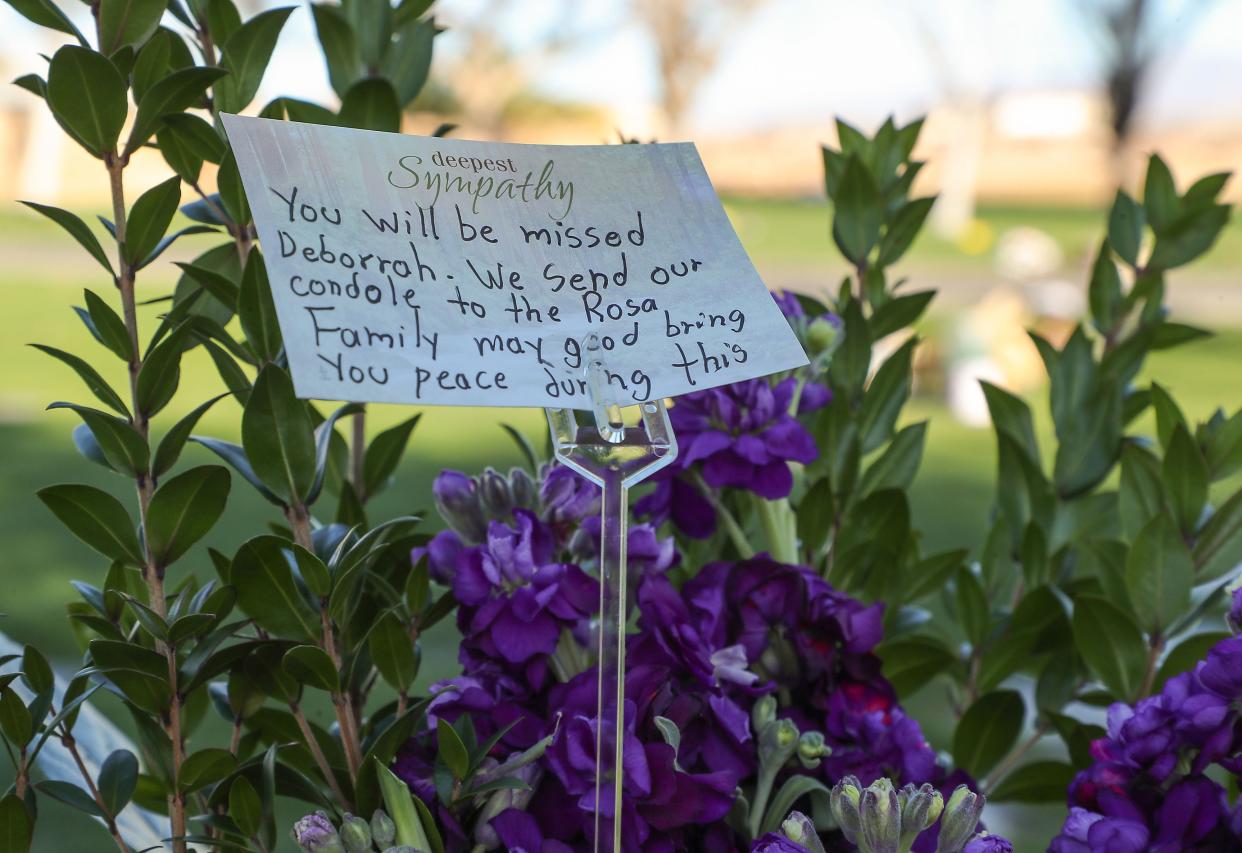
x=41, y=277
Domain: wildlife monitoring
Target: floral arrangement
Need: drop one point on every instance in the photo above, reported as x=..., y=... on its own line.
x=784, y=606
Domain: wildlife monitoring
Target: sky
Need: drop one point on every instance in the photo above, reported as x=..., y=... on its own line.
x=798, y=62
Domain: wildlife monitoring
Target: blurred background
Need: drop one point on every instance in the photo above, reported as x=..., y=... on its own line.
x=1035, y=111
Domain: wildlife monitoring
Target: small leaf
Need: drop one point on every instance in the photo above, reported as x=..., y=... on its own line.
x=407, y=62
x=15, y=722
x=392, y=651
x=128, y=23
x=235, y=456
x=311, y=666
x=266, y=591
x=70, y=795
x=1126, y=221
x=1160, y=199
x=1037, y=782
x=911, y=662
x=16, y=825
x=96, y=383
x=903, y=229
x=245, y=56
x=1159, y=574
x=972, y=607
x=858, y=212
x=277, y=436
x=1111, y=644
x=1185, y=476
x=171, y=445
x=987, y=731
x=118, y=777
x=1218, y=549
x=108, y=327
x=371, y=104
x=383, y=454
x=245, y=808
x=45, y=13
x=339, y=45
x=160, y=375
x=183, y=510
x=149, y=218
x=1188, y=237
x=97, y=518
x=77, y=229
x=451, y=749
x=257, y=311
x=180, y=90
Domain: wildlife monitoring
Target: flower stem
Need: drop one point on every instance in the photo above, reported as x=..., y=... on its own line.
x=736, y=535
x=763, y=790
x=776, y=517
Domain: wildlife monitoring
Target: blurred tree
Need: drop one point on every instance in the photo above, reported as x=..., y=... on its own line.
x=1133, y=35
x=688, y=36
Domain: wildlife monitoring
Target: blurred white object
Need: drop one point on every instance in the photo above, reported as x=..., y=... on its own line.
x=1026, y=253
x=965, y=395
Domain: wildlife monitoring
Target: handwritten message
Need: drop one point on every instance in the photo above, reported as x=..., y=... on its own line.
x=412, y=269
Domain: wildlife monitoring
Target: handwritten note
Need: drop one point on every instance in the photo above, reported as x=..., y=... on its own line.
x=411, y=269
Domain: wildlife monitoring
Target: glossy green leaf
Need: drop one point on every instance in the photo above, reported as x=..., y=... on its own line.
x=97, y=518
x=173, y=442
x=16, y=825
x=245, y=56
x=87, y=96
x=128, y=23
x=46, y=13
x=311, y=666
x=277, y=436
x=451, y=749
x=886, y=394
x=150, y=217
x=245, y=808
x=184, y=509
x=108, y=327
x=339, y=45
x=408, y=61
x=118, y=777
x=899, y=312
x=858, y=212
x=15, y=722
x=235, y=456
x=71, y=795
x=257, y=311
x=266, y=591
x=911, y=662
x=232, y=192
x=1111, y=644
x=77, y=229
x=392, y=651
x=96, y=383
x=1159, y=574
x=1185, y=477
x=384, y=453
x=1012, y=416
x=988, y=731
x=1036, y=782
x=371, y=104
x=160, y=375
x=175, y=93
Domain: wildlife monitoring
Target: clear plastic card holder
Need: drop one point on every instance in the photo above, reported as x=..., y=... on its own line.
x=616, y=456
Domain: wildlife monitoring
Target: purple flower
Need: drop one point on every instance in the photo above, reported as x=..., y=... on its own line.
x=316, y=833
x=984, y=843
x=566, y=497
x=457, y=500
x=776, y=843
x=519, y=832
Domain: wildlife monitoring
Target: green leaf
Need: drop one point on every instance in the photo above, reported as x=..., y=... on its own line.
x=96, y=383
x=886, y=394
x=794, y=789
x=408, y=60
x=1203, y=192
x=1159, y=574
x=383, y=454
x=108, y=327
x=1012, y=417
x=1168, y=335
x=16, y=825
x=245, y=56
x=45, y=13
x=451, y=749
x=911, y=662
x=77, y=229
x=1037, y=782
x=904, y=228
x=171, y=445
x=899, y=312
x=35, y=670
x=1104, y=292
x=232, y=192
x=339, y=45
x=1126, y=221
x=70, y=795
x=183, y=510
x=175, y=93
x=1141, y=497
x=988, y=731
x=858, y=212
x=371, y=104
x=245, y=808
x=972, y=608
x=206, y=767
x=97, y=518
x=1188, y=237
x=1218, y=549
x=1160, y=199
x=1185, y=476
x=392, y=652
x=278, y=437
x=257, y=311
x=814, y=516
x=118, y=777
x=266, y=591
x=128, y=23
x=897, y=465
x=403, y=808
x=1168, y=415
x=1111, y=644
x=150, y=217
x=235, y=456
x=311, y=666
x=123, y=447
x=160, y=375
x=87, y=96
x=15, y=722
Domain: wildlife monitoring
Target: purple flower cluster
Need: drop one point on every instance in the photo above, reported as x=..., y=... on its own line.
x=701, y=657
x=1147, y=789
x=740, y=436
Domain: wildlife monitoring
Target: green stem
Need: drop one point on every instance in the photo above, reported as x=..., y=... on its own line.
x=736, y=535
x=763, y=790
x=776, y=517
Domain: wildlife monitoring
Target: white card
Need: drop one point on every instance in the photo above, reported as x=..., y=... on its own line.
x=410, y=269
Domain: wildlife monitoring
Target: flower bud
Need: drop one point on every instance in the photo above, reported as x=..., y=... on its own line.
x=844, y=801
x=778, y=743
x=522, y=487
x=961, y=817
x=879, y=817
x=986, y=843
x=495, y=495
x=799, y=829
x=823, y=335
x=811, y=748
x=764, y=713
x=383, y=830
x=355, y=834
x=316, y=834
x=457, y=500
x=920, y=808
